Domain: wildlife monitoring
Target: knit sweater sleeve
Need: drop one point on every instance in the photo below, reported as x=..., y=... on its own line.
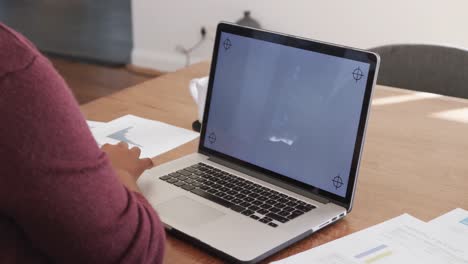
x=57, y=185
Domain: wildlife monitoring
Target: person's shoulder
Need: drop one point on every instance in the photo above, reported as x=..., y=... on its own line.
x=16, y=52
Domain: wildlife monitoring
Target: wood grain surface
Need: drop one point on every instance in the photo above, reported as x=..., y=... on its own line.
x=412, y=163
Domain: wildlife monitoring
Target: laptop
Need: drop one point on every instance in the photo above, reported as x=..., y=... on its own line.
x=280, y=145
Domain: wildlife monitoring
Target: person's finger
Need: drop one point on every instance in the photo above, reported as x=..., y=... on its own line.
x=136, y=151
x=123, y=144
x=147, y=163
x=105, y=145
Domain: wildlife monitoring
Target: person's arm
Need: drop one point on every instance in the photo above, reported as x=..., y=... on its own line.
x=62, y=190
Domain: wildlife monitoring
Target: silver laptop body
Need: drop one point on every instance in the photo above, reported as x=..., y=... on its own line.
x=264, y=176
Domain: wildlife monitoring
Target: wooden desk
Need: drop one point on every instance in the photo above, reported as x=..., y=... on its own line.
x=412, y=162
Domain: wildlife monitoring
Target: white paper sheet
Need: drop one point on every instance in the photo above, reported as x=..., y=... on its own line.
x=94, y=124
x=403, y=239
x=455, y=220
x=452, y=227
x=153, y=137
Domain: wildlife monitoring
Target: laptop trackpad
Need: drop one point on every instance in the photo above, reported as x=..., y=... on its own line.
x=186, y=212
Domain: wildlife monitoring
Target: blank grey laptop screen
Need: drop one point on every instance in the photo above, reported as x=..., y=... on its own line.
x=288, y=110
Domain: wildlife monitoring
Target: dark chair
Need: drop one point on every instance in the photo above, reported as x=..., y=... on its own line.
x=427, y=68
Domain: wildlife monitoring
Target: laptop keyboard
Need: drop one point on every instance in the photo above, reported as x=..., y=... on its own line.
x=240, y=195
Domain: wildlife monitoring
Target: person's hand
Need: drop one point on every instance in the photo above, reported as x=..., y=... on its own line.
x=127, y=163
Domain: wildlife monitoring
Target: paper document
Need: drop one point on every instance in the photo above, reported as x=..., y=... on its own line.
x=455, y=221
x=153, y=137
x=452, y=227
x=94, y=124
x=403, y=239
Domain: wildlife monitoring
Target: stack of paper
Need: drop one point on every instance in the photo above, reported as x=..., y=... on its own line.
x=152, y=137
x=403, y=239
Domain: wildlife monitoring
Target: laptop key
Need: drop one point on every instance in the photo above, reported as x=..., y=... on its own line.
x=254, y=195
x=275, y=209
x=262, y=211
x=208, y=177
x=272, y=224
x=254, y=208
x=165, y=177
x=254, y=217
x=246, y=192
x=249, y=187
x=266, y=206
x=294, y=215
x=283, y=213
x=277, y=217
x=240, y=196
x=237, y=208
x=288, y=209
x=212, y=191
x=189, y=169
x=229, y=197
x=249, y=199
x=213, y=198
x=205, y=187
x=257, y=202
x=179, y=183
x=184, y=172
x=220, y=194
x=209, y=183
x=245, y=204
x=236, y=201
x=172, y=180
x=188, y=187
x=265, y=220
x=222, y=182
x=257, y=191
x=247, y=212
x=305, y=208
x=182, y=178
x=280, y=205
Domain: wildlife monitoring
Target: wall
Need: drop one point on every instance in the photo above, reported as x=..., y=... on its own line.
x=159, y=26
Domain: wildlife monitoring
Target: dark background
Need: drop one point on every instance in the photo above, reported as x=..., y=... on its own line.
x=91, y=30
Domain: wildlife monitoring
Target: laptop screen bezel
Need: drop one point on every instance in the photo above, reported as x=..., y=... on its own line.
x=310, y=45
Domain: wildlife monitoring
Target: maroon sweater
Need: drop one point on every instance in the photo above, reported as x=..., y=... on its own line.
x=60, y=199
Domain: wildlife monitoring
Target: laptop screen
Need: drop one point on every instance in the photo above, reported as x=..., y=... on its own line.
x=288, y=110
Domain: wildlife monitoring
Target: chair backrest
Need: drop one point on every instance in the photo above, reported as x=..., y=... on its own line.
x=426, y=68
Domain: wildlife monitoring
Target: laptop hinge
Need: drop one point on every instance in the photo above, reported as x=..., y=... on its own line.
x=266, y=178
